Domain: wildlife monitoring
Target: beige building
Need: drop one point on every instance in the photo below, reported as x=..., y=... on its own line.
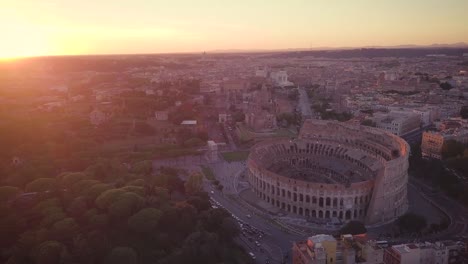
x=402, y=254
x=398, y=122
x=431, y=145
x=318, y=249
x=373, y=252
x=357, y=249
x=433, y=141
x=161, y=115
x=98, y=117
x=260, y=114
x=333, y=170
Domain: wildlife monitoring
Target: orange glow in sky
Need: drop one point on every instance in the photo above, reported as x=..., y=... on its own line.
x=65, y=27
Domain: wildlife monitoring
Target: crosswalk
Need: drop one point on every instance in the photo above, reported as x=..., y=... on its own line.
x=226, y=173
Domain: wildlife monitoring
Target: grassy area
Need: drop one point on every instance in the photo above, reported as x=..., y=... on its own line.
x=136, y=150
x=245, y=134
x=208, y=172
x=235, y=155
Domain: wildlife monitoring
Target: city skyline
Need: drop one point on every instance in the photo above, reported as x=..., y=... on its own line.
x=122, y=27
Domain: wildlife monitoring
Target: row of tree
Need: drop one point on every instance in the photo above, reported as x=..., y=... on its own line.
x=85, y=218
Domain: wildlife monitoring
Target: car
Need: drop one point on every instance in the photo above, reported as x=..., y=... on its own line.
x=248, y=216
x=212, y=192
x=252, y=255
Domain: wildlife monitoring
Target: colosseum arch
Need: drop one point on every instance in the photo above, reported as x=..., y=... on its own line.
x=333, y=169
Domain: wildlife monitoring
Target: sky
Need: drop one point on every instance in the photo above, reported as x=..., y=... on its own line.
x=70, y=27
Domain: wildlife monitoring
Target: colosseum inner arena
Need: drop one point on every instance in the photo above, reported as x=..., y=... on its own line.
x=333, y=170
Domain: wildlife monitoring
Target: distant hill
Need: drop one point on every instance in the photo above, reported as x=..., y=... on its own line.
x=406, y=46
x=376, y=52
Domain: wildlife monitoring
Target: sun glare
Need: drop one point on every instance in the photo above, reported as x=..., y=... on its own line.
x=19, y=41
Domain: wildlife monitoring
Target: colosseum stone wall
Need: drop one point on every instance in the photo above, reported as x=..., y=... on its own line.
x=333, y=170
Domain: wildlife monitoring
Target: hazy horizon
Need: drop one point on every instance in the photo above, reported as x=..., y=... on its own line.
x=142, y=27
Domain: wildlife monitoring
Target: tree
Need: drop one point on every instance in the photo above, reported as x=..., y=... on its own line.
x=93, y=192
x=65, y=229
x=201, y=247
x=411, y=222
x=108, y=197
x=137, y=182
x=353, y=228
x=194, y=142
x=134, y=189
x=368, y=122
x=445, y=86
x=50, y=252
x=145, y=220
x=41, y=185
x=52, y=216
x=96, y=220
x=69, y=179
x=194, y=183
x=82, y=186
x=78, y=206
x=229, y=229
x=122, y=255
x=464, y=112
x=7, y=193
x=125, y=205
x=289, y=118
x=81, y=251
x=238, y=116
x=452, y=148
x=143, y=167
x=199, y=203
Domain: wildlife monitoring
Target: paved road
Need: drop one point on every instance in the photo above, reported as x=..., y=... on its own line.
x=277, y=240
x=275, y=243
x=414, y=136
x=457, y=212
x=304, y=104
x=232, y=144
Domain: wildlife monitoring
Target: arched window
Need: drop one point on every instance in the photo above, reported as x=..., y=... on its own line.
x=348, y=215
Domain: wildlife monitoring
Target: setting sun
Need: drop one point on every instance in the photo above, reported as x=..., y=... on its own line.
x=26, y=39
x=22, y=41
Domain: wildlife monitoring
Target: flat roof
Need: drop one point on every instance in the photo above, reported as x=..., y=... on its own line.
x=189, y=122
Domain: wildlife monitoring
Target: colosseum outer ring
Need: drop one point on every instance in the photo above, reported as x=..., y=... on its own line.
x=332, y=170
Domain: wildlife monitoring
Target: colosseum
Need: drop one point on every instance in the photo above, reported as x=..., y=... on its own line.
x=333, y=170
